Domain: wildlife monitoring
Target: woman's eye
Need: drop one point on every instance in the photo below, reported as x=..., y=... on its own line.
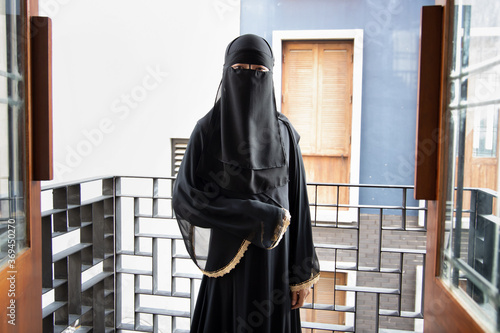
x=261, y=69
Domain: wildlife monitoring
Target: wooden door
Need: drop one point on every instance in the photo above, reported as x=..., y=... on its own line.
x=480, y=152
x=317, y=98
x=20, y=232
x=450, y=301
x=481, y=145
x=324, y=293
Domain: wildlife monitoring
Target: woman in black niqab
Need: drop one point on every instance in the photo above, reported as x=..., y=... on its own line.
x=241, y=203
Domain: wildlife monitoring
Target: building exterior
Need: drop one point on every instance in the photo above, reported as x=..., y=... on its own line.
x=378, y=117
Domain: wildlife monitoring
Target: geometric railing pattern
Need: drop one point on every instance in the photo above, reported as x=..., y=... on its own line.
x=156, y=281
x=382, y=245
x=113, y=259
x=371, y=256
x=470, y=255
x=78, y=257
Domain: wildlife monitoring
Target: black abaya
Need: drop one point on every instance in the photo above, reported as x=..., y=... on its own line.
x=241, y=202
x=254, y=294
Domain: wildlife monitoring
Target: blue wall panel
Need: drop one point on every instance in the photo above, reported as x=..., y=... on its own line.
x=390, y=63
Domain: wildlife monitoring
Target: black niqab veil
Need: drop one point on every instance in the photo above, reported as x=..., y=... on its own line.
x=246, y=152
x=241, y=178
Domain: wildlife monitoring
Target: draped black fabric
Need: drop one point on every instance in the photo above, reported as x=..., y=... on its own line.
x=245, y=152
x=217, y=221
x=233, y=197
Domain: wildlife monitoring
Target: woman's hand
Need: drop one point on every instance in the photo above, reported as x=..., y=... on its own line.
x=299, y=297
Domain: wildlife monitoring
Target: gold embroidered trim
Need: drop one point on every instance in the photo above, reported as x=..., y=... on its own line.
x=226, y=269
x=306, y=284
x=280, y=229
x=278, y=234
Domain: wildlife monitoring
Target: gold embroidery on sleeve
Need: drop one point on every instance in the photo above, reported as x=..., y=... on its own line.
x=281, y=229
x=278, y=234
x=306, y=284
x=232, y=264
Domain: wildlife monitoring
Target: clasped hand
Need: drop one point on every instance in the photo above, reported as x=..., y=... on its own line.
x=299, y=297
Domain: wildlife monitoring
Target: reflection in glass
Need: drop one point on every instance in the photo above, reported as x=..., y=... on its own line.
x=471, y=246
x=12, y=172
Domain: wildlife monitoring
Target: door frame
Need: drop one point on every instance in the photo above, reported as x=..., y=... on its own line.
x=28, y=267
x=355, y=35
x=443, y=310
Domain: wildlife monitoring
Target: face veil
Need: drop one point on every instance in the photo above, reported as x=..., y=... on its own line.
x=242, y=176
x=246, y=151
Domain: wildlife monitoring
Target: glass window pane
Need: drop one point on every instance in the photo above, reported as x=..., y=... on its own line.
x=12, y=152
x=472, y=225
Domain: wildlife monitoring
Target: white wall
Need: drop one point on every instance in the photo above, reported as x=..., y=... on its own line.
x=130, y=75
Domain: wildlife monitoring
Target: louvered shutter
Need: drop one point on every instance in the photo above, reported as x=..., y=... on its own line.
x=334, y=101
x=317, y=86
x=178, y=150
x=300, y=96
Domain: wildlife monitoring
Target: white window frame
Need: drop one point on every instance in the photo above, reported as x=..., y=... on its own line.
x=356, y=35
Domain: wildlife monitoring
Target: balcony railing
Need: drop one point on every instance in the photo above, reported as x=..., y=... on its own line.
x=114, y=259
x=78, y=256
x=470, y=254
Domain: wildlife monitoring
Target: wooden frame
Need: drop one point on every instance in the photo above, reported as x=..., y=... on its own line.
x=443, y=311
x=28, y=271
x=41, y=40
x=429, y=78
